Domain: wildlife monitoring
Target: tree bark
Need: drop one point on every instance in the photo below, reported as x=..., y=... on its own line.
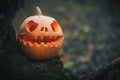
x=13, y=64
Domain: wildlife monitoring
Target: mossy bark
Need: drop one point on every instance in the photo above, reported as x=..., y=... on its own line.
x=13, y=64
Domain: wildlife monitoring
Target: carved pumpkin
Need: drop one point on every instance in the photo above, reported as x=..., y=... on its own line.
x=40, y=37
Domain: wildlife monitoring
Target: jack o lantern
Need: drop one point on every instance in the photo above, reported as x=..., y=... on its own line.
x=40, y=37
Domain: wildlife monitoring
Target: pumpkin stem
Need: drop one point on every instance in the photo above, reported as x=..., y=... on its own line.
x=38, y=10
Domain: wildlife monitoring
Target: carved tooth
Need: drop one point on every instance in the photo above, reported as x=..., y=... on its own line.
x=60, y=40
x=50, y=44
x=45, y=45
x=58, y=43
x=29, y=43
x=55, y=45
x=42, y=43
x=24, y=42
x=36, y=44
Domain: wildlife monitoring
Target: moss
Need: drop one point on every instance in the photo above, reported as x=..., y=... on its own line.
x=13, y=64
x=17, y=66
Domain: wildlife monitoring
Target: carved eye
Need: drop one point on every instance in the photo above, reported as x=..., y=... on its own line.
x=31, y=26
x=55, y=26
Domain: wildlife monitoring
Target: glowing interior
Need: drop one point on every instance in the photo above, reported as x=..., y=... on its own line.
x=55, y=26
x=39, y=39
x=31, y=26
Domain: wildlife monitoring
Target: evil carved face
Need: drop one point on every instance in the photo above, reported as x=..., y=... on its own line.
x=40, y=37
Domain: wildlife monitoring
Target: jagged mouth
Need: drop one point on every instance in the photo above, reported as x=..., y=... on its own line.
x=41, y=39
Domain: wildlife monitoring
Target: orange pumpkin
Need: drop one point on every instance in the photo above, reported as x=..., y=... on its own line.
x=40, y=37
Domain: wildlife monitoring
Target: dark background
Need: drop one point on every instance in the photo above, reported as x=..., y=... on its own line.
x=91, y=30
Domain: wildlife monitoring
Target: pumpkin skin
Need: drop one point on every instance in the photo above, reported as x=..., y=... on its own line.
x=40, y=37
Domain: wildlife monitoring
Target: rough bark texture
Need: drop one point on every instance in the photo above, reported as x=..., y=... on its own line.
x=13, y=64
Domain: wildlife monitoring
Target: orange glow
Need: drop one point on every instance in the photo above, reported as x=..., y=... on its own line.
x=31, y=26
x=40, y=37
x=54, y=26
